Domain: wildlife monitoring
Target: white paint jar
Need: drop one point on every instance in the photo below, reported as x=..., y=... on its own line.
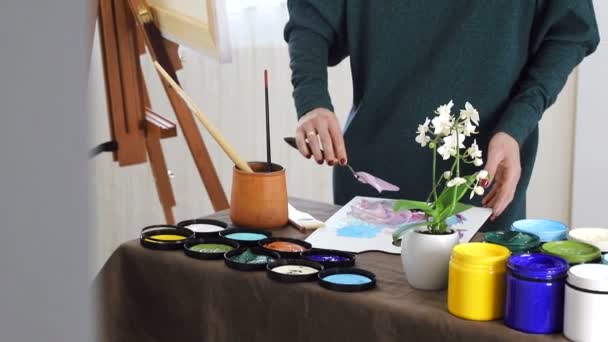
x=586, y=300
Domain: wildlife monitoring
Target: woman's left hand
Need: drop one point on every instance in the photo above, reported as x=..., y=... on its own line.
x=504, y=168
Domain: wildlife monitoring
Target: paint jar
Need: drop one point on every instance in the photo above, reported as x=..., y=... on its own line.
x=476, y=285
x=535, y=293
x=259, y=198
x=573, y=251
x=593, y=236
x=516, y=242
x=546, y=230
x=586, y=300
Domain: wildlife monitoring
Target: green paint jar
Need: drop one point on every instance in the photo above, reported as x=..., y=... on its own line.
x=516, y=242
x=574, y=252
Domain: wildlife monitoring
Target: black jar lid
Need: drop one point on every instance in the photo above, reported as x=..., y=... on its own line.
x=329, y=257
x=151, y=237
x=191, y=251
x=301, y=244
x=347, y=279
x=201, y=233
x=243, y=266
x=293, y=270
x=244, y=233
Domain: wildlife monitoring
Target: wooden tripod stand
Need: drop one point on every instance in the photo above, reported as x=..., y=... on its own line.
x=135, y=129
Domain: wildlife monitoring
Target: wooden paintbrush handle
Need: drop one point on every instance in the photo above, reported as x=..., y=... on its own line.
x=203, y=119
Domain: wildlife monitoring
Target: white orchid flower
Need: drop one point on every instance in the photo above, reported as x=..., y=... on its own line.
x=469, y=112
x=445, y=110
x=423, y=139
x=449, y=147
x=456, y=182
x=474, y=151
x=424, y=128
x=478, y=162
x=483, y=174
x=447, y=175
x=468, y=128
x=444, y=120
x=478, y=190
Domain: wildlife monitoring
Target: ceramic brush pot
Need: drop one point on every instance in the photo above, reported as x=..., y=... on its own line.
x=259, y=199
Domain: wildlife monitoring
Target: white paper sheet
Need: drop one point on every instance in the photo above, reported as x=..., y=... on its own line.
x=367, y=224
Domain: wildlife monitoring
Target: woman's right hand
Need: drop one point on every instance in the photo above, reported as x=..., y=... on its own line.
x=321, y=129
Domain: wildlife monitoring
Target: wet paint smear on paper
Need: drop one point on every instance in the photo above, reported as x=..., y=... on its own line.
x=359, y=231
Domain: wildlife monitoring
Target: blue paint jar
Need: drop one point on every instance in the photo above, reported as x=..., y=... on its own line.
x=535, y=293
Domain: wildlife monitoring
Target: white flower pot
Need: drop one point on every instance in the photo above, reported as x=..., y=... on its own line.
x=426, y=259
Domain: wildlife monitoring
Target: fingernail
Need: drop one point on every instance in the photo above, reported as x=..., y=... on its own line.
x=330, y=162
x=484, y=183
x=343, y=161
x=320, y=162
x=308, y=156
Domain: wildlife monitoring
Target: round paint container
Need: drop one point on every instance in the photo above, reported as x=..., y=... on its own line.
x=347, y=279
x=516, y=242
x=286, y=247
x=535, y=293
x=209, y=248
x=204, y=227
x=249, y=259
x=329, y=258
x=476, y=281
x=546, y=230
x=165, y=237
x=597, y=237
x=585, y=304
x=246, y=237
x=573, y=251
x=293, y=270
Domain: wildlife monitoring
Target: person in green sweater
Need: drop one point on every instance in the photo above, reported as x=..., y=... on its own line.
x=509, y=58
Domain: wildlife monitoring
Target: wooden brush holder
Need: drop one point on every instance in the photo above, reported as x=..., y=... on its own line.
x=259, y=199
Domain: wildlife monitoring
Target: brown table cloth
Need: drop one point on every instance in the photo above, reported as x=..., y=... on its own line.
x=148, y=295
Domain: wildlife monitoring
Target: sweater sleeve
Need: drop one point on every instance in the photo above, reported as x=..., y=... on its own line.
x=564, y=33
x=315, y=35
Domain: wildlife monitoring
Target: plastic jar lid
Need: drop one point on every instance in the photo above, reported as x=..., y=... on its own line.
x=480, y=254
x=574, y=252
x=538, y=266
x=590, y=277
x=593, y=236
x=513, y=240
x=546, y=230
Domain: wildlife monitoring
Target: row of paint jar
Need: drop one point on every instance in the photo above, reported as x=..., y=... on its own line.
x=536, y=293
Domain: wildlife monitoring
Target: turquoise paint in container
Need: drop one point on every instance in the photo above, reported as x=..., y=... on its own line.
x=546, y=230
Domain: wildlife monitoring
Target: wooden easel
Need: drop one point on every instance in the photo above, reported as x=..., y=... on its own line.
x=137, y=131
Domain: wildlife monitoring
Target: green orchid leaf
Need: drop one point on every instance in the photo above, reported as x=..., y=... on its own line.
x=401, y=230
x=401, y=205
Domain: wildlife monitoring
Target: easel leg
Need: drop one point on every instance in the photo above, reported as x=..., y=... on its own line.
x=160, y=172
x=158, y=51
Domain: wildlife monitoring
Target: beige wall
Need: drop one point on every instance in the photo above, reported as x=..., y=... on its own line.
x=232, y=97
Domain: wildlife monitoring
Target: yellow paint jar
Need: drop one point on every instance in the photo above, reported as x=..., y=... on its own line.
x=476, y=282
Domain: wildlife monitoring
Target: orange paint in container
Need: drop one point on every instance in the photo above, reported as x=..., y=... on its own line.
x=284, y=246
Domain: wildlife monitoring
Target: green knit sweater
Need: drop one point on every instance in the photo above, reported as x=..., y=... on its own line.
x=509, y=58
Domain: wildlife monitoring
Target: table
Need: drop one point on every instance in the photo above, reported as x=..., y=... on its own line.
x=148, y=295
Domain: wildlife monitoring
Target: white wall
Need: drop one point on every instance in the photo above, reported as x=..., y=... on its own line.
x=590, y=181
x=232, y=97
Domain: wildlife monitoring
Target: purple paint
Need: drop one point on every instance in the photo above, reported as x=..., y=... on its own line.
x=326, y=258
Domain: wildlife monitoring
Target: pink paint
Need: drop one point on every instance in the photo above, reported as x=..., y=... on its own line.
x=375, y=182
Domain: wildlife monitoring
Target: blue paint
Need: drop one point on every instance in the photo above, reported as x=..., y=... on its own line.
x=535, y=293
x=546, y=230
x=347, y=279
x=246, y=236
x=359, y=232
